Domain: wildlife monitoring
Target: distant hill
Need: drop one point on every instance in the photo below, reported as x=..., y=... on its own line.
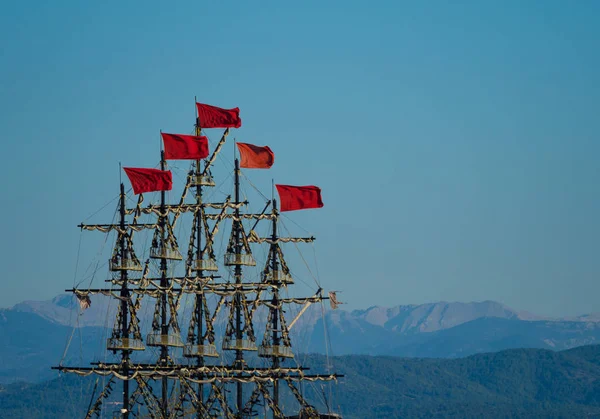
x=485, y=334
x=37, y=332
x=528, y=383
x=518, y=383
x=404, y=319
x=31, y=344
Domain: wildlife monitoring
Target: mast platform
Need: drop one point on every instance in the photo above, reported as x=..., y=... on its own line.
x=202, y=180
x=233, y=344
x=125, y=344
x=158, y=339
x=275, y=351
x=278, y=276
x=194, y=350
x=127, y=264
x=204, y=265
x=233, y=259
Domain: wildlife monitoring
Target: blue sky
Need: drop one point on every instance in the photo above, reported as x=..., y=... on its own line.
x=456, y=143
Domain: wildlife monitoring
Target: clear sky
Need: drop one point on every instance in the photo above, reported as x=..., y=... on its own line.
x=456, y=143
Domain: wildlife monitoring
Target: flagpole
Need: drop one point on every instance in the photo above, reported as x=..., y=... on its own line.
x=160, y=148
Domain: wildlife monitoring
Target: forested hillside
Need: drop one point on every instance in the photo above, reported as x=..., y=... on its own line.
x=520, y=383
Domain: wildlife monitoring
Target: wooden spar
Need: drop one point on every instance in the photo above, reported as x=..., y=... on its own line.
x=261, y=214
x=185, y=207
x=304, y=308
x=213, y=157
x=306, y=305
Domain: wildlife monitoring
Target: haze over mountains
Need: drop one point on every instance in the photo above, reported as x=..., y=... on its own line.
x=36, y=332
x=404, y=319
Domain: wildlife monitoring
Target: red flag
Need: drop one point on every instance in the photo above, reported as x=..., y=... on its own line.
x=299, y=197
x=149, y=180
x=213, y=117
x=185, y=147
x=255, y=157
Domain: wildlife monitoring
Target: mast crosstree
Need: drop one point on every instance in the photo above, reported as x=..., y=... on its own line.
x=195, y=378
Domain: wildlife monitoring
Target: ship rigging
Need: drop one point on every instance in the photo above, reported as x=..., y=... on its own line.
x=191, y=374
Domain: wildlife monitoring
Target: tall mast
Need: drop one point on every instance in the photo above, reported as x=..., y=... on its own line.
x=164, y=326
x=275, y=302
x=239, y=354
x=199, y=297
x=124, y=309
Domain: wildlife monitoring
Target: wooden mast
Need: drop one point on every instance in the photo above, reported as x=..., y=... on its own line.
x=275, y=302
x=239, y=353
x=199, y=297
x=164, y=325
x=124, y=309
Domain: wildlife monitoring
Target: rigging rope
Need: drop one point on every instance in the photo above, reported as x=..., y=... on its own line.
x=302, y=256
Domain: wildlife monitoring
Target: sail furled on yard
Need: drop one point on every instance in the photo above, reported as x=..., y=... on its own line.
x=255, y=157
x=84, y=301
x=185, y=147
x=212, y=117
x=333, y=301
x=149, y=180
x=294, y=198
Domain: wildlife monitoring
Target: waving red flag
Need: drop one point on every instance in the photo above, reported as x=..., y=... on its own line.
x=299, y=197
x=255, y=157
x=185, y=147
x=149, y=180
x=213, y=117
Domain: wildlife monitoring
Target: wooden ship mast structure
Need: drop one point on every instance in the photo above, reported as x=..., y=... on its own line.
x=193, y=386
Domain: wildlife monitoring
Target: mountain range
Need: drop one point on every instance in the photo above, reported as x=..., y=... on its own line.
x=37, y=332
x=411, y=318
